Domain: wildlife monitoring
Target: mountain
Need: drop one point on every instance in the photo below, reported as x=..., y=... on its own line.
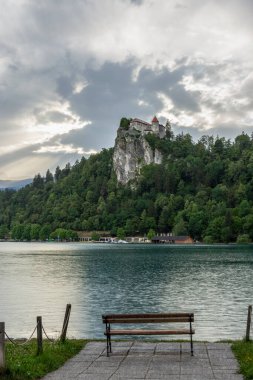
x=4, y=184
x=152, y=180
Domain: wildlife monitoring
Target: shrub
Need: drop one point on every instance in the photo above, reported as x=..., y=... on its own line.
x=243, y=239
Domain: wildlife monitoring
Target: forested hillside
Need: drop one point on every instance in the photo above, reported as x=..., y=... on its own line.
x=203, y=189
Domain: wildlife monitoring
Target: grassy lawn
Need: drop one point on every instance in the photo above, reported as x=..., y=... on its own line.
x=22, y=363
x=244, y=354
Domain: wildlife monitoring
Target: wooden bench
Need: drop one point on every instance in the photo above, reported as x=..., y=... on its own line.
x=147, y=318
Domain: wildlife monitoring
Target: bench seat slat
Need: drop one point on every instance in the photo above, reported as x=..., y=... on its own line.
x=148, y=320
x=148, y=315
x=150, y=332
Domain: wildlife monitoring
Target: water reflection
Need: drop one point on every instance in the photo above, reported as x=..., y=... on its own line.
x=41, y=278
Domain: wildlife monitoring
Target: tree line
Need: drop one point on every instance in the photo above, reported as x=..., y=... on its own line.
x=203, y=189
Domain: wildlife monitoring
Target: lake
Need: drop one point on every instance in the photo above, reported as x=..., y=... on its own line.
x=41, y=278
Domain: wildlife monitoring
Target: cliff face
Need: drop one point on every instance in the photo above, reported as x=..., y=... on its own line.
x=131, y=152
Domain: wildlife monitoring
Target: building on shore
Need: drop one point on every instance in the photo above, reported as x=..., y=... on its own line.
x=86, y=236
x=105, y=237
x=172, y=240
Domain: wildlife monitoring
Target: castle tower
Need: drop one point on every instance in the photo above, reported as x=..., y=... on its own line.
x=155, y=125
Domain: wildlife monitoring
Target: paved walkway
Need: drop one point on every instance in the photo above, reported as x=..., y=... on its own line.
x=143, y=360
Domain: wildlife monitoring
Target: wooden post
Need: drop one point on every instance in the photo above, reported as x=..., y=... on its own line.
x=248, y=323
x=2, y=353
x=65, y=323
x=39, y=336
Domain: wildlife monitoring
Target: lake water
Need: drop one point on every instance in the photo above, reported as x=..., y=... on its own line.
x=41, y=278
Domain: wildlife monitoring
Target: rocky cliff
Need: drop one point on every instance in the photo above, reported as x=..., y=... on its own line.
x=132, y=151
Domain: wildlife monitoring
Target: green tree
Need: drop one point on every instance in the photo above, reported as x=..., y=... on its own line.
x=124, y=123
x=59, y=234
x=45, y=232
x=35, y=232
x=95, y=236
x=71, y=235
x=220, y=192
x=247, y=222
x=147, y=222
x=57, y=174
x=38, y=181
x=244, y=208
x=26, y=235
x=132, y=226
x=49, y=176
x=197, y=224
x=166, y=219
x=121, y=234
x=4, y=231
x=215, y=229
x=180, y=228
x=208, y=239
x=243, y=239
x=17, y=231
x=150, y=234
x=242, y=142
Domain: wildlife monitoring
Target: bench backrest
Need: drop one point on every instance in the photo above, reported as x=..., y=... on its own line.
x=148, y=318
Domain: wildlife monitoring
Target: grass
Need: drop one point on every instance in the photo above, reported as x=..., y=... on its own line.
x=22, y=363
x=244, y=353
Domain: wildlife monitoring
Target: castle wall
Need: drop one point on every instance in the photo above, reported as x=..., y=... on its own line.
x=162, y=131
x=155, y=128
x=146, y=128
x=139, y=126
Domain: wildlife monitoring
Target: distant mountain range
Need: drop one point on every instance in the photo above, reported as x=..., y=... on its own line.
x=4, y=184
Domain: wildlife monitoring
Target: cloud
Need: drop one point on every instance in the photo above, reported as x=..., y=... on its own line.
x=60, y=148
x=37, y=158
x=70, y=70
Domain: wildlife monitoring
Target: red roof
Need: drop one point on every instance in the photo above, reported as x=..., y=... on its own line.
x=155, y=120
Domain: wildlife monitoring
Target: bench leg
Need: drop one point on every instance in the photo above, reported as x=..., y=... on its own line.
x=110, y=343
x=107, y=344
x=191, y=346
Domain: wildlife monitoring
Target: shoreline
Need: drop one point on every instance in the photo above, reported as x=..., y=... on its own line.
x=128, y=243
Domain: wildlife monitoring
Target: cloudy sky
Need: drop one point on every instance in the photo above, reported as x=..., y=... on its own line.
x=70, y=69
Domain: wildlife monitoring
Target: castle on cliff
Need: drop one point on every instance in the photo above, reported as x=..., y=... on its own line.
x=132, y=149
x=144, y=127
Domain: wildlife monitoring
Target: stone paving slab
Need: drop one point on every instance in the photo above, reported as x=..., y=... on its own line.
x=154, y=361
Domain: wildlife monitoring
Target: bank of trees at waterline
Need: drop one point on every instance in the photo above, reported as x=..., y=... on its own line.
x=203, y=189
x=29, y=232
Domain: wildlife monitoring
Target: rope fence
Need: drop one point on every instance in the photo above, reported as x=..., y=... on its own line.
x=23, y=343
x=247, y=338
x=62, y=336
x=50, y=339
x=40, y=331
